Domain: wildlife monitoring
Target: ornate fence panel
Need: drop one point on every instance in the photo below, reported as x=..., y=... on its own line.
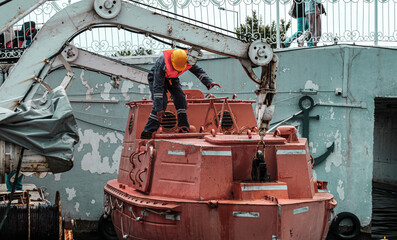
x=370, y=22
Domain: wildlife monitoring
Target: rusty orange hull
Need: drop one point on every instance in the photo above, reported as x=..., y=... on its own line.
x=219, y=181
x=170, y=218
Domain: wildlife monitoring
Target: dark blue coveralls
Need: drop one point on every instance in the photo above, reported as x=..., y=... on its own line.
x=159, y=85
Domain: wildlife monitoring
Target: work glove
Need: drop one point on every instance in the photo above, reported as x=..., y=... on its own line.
x=214, y=84
x=160, y=115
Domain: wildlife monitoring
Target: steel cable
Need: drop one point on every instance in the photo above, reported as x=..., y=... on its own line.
x=190, y=19
x=1, y=4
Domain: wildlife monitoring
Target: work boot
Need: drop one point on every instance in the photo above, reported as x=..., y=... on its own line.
x=146, y=135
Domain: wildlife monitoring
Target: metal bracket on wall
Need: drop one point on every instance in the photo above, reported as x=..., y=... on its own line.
x=362, y=105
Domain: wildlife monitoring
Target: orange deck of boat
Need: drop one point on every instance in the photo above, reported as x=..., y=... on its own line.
x=198, y=185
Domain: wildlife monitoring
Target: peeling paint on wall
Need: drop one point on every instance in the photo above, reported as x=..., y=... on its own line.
x=187, y=84
x=336, y=157
x=285, y=69
x=57, y=177
x=93, y=161
x=313, y=150
x=104, y=107
x=366, y=221
x=76, y=206
x=105, y=94
x=331, y=110
x=87, y=214
x=93, y=201
x=71, y=192
x=125, y=87
x=341, y=190
x=142, y=88
x=310, y=85
x=327, y=101
x=85, y=83
x=314, y=175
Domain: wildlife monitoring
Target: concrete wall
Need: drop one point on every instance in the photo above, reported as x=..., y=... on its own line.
x=347, y=120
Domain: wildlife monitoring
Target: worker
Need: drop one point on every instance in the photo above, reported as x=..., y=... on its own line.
x=163, y=77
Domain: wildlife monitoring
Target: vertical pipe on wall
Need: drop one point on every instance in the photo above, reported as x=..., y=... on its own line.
x=278, y=23
x=346, y=70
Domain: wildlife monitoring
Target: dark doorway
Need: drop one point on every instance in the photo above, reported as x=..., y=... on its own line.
x=384, y=191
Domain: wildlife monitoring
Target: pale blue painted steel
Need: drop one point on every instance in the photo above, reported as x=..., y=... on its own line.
x=15, y=10
x=80, y=16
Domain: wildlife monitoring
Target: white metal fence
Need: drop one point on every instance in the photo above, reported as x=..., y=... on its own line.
x=369, y=22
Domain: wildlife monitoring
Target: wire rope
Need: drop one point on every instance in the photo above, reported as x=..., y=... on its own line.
x=191, y=19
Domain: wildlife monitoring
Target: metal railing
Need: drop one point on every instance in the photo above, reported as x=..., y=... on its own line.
x=369, y=22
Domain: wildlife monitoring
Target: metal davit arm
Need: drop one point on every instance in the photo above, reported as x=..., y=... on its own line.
x=36, y=62
x=76, y=18
x=15, y=10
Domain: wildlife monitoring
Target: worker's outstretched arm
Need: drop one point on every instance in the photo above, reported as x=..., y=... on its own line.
x=203, y=77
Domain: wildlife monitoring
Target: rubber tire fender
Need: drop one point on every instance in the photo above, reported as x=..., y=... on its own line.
x=338, y=219
x=106, y=229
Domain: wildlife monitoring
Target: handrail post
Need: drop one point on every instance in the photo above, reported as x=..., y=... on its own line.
x=376, y=23
x=278, y=23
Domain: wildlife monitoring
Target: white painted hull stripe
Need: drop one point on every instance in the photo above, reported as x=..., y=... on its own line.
x=246, y=214
x=261, y=188
x=216, y=153
x=301, y=210
x=173, y=217
x=180, y=153
x=287, y=152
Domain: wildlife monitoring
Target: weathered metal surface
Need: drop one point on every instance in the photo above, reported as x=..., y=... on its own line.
x=104, y=65
x=15, y=10
x=81, y=16
x=208, y=219
x=200, y=186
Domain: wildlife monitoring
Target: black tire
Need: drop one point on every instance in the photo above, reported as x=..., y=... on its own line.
x=106, y=228
x=353, y=233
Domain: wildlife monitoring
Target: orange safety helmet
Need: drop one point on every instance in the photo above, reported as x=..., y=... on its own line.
x=179, y=60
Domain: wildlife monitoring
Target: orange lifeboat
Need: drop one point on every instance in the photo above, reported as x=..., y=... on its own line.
x=217, y=181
